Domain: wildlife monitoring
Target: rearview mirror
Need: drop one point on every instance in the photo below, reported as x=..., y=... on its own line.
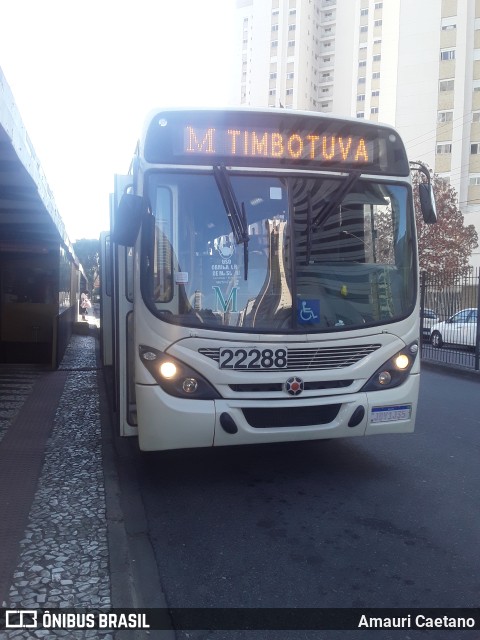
x=427, y=203
x=127, y=219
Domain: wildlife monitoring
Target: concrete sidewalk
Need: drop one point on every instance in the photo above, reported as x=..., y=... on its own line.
x=73, y=531
x=54, y=549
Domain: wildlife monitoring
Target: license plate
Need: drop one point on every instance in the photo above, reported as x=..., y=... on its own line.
x=391, y=414
x=253, y=358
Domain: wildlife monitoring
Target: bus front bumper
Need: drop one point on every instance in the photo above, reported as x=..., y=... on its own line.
x=167, y=422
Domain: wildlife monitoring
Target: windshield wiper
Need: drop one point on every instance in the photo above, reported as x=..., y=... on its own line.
x=309, y=228
x=236, y=214
x=330, y=205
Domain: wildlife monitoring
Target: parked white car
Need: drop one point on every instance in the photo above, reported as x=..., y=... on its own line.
x=460, y=329
x=429, y=318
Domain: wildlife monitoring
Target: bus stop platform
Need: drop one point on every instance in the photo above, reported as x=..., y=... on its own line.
x=67, y=521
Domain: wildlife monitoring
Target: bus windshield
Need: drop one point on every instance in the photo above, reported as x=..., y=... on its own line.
x=321, y=253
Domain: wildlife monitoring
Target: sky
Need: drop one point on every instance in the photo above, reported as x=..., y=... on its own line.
x=85, y=74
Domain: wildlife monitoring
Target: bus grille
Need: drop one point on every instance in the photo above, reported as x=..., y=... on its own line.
x=309, y=359
x=278, y=386
x=290, y=416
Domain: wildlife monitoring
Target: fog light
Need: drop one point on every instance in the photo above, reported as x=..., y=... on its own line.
x=384, y=378
x=190, y=385
x=168, y=370
x=402, y=361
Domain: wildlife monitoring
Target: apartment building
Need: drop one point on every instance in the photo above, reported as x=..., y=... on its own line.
x=415, y=65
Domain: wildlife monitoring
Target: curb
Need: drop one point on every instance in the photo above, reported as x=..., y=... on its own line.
x=449, y=368
x=135, y=582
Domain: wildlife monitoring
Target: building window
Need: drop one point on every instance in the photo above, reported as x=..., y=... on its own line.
x=449, y=23
x=376, y=75
x=377, y=57
x=274, y=43
x=374, y=110
x=377, y=23
x=447, y=85
x=378, y=5
x=476, y=116
x=272, y=92
x=364, y=12
x=360, y=114
x=274, y=27
x=291, y=43
x=292, y=27
x=364, y=28
x=447, y=54
x=289, y=92
x=273, y=75
x=475, y=181
x=362, y=80
x=362, y=63
x=361, y=97
x=375, y=93
x=445, y=147
x=445, y=116
x=475, y=148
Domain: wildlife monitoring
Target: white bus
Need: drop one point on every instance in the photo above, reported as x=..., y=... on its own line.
x=264, y=280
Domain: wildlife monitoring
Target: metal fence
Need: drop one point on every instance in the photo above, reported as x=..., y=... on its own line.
x=450, y=318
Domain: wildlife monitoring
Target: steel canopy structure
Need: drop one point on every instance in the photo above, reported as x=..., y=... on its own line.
x=40, y=276
x=27, y=207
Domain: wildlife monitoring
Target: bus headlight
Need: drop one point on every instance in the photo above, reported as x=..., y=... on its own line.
x=395, y=371
x=175, y=377
x=168, y=370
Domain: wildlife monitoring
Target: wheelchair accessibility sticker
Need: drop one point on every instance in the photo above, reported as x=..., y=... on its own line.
x=308, y=311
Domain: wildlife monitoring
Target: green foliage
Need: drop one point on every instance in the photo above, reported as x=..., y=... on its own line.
x=446, y=246
x=88, y=252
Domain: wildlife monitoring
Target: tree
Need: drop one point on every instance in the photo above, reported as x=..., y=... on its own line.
x=88, y=252
x=446, y=246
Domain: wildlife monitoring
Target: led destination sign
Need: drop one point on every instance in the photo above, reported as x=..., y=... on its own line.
x=266, y=143
x=273, y=139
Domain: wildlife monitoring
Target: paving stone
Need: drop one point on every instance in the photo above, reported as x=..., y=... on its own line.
x=66, y=536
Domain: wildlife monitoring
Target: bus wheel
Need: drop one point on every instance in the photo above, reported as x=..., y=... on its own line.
x=437, y=339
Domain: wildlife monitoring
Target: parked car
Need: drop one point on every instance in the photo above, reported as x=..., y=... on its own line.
x=429, y=318
x=460, y=329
